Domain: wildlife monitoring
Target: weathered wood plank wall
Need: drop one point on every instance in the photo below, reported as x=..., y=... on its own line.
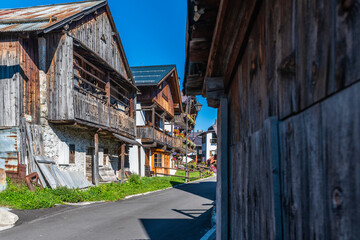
x=96, y=32
x=300, y=64
x=29, y=61
x=60, y=77
x=10, y=85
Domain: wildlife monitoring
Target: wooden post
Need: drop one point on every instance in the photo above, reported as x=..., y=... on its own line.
x=108, y=89
x=108, y=95
x=155, y=171
x=134, y=114
x=122, y=171
x=153, y=121
x=139, y=160
x=222, y=189
x=163, y=121
x=95, y=163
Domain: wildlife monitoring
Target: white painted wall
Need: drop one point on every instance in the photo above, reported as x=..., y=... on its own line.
x=134, y=159
x=140, y=116
x=207, y=146
x=56, y=145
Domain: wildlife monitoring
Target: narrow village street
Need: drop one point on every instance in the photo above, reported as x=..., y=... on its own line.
x=179, y=213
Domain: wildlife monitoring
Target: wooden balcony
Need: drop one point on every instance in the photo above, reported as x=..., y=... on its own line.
x=180, y=145
x=180, y=120
x=88, y=91
x=157, y=138
x=95, y=112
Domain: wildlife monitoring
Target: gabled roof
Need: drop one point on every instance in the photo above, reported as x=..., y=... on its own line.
x=45, y=18
x=151, y=75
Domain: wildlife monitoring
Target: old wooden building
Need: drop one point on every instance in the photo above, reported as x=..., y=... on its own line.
x=159, y=114
x=67, y=92
x=285, y=77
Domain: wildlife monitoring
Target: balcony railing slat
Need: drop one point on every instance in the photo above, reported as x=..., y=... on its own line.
x=93, y=111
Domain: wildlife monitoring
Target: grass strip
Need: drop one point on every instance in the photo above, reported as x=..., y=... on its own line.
x=20, y=197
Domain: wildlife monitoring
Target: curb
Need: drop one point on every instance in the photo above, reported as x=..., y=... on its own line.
x=7, y=219
x=210, y=235
x=147, y=193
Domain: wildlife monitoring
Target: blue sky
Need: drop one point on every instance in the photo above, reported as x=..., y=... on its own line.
x=152, y=33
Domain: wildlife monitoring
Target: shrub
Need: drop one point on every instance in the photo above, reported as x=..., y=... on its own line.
x=134, y=179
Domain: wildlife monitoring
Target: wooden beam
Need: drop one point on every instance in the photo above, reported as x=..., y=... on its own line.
x=107, y=90
x=139, y=159
x=222, y=207
x=122, y=160
x=95, y=164
x=214, y=91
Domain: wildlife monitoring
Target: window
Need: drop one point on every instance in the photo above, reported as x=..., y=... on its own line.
x=72, y=153
x=165, y=97
x=157, y=160
x=213, y=141
x=106, y=156
x=64, y=151
x=212, y=153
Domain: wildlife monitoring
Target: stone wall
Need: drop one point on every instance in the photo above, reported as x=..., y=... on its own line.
x=57, y=139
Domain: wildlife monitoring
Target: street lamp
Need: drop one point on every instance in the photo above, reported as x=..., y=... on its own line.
x=198, y=107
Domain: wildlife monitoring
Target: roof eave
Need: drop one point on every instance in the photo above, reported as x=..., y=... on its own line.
x=75, y=16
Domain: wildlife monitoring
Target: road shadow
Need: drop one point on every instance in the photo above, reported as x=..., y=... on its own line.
x=179, y=229
x=203, y=189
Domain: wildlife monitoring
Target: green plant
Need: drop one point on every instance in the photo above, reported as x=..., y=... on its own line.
x=18, y=196
x=135, y=179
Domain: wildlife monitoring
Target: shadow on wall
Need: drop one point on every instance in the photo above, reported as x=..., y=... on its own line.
x=7, y=72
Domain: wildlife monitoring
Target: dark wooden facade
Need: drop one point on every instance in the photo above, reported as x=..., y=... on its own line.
x=285, y=76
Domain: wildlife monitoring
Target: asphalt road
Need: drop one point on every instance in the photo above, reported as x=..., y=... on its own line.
x=178, y=213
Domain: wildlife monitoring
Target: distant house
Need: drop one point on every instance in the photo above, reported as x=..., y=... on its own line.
x=209, y=143
x=157, y=105
x=67, y=92
x=196, y=137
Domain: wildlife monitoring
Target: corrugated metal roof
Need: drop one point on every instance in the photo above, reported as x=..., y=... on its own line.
x=150, y=75
x=41, y=17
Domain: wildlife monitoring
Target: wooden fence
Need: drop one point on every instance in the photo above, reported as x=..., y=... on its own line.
x=203, y=172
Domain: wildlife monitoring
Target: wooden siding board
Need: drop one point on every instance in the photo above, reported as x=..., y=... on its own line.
x=251, y=184
x=30, y=78
x=90, y=31
x=347, y=48
x=341, y=151
x=320, y=186
x=315, y=26
x=60, y=77
x=284, y=56
x=9, y=82
x=302, y=183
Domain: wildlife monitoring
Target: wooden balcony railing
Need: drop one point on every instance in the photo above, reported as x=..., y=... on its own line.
x=180, y=120
x=150, y=134
x=180, y=145
x=96, y=112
